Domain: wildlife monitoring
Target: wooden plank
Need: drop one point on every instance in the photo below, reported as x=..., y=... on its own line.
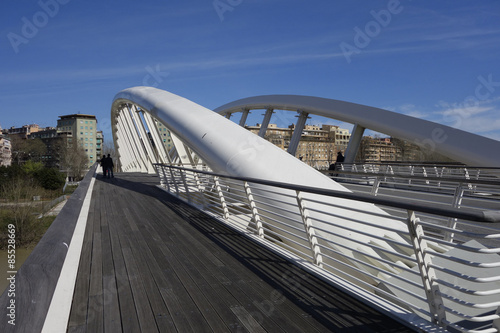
x=129, y=319
x=264, y=302
x=111, y=310
x=146, y=319
x=95, y=309
x=78, y=315
x=143, y=257
x=198, y=318
x=247, y=319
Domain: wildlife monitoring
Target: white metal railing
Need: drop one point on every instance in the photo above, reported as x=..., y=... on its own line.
x=453, y=282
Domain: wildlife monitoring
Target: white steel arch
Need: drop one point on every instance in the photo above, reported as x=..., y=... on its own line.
x=227, y=148
x=461, y=146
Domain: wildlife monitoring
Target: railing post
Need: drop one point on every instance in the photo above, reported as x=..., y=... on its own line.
x=159, y=170
x=427, y=273
x=164, y=173
x=424, y=172
x=376, y=185
x=172, y=174
x=311, y=235
x=221, y=197
x=200, y=189
x=255, y=212
x=183, y=176
x=457, y=201
x=496, y=322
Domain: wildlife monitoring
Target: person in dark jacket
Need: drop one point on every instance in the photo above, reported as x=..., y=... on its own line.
x=103, y=166
x=108, y=163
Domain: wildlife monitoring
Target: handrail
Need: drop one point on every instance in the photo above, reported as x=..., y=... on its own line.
x=404, y=176
x=406, y=258
x=37, y=278
x=477, y=216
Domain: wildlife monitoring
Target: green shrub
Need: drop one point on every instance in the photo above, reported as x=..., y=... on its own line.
x=50, y=179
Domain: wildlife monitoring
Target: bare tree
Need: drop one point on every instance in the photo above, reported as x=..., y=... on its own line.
x=19, y=193
x=73, y=160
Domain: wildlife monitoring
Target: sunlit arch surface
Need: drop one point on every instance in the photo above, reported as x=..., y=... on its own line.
x=461, y=146
x=351, y=229
x=222, y=145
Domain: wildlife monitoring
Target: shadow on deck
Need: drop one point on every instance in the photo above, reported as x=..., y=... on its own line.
x=152, y=263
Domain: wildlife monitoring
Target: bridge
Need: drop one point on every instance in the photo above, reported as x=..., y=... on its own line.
x=226, y=232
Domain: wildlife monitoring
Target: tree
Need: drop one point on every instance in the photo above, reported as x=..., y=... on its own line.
x=27, y=149
x=50, y=178
x=19, y=192
x=73, y=159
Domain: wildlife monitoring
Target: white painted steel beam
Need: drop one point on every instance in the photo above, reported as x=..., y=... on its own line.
x=297, y=132
x=461, y=146
x=153, y=129
x=131, y=144
x=354, y=144
x=146, y=142
x=135, y=139
x=265, y=122
x=137, y=144
x=244, y=116
x=182, y=153
x=130, y=162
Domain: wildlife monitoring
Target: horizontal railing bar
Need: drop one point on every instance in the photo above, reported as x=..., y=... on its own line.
x=478, y=216
x=406, y=176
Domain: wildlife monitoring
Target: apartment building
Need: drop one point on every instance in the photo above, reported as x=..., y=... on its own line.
x=5, y=150
x=82, y=129
x=318, y=145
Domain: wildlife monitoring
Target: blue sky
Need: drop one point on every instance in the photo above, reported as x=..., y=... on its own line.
x=437, y=60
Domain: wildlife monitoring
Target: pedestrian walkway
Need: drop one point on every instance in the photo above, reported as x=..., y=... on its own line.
x=151, y=263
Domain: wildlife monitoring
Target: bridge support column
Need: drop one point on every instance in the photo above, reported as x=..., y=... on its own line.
x=297, y=132
x=153, y=129
x=354, y=143
x=146, y=142
x=244, y=116
x=265, y=122
x=131, y=161
x=133, y=139
x=138, y=140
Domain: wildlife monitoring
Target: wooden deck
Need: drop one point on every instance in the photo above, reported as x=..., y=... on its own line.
x=151, y=263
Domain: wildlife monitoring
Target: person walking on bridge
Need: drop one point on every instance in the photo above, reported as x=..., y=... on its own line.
x=108, y=165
